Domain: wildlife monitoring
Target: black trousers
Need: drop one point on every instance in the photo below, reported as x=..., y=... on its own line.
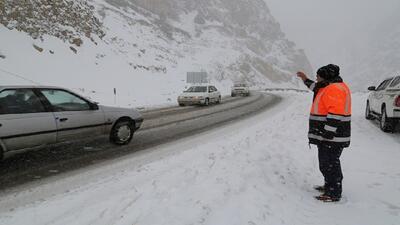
x=329, y=165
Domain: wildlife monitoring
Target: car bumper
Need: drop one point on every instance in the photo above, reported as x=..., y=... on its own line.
x=396, y=113
x=240, y=92
x=138, y=123
x=191, y=101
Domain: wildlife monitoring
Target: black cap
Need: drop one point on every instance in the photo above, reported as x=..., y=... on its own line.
x=329, y=72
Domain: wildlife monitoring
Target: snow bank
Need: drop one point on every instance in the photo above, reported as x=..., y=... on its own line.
x=257, y=171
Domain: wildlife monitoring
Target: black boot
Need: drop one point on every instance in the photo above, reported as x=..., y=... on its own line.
x=320, y=188
x=327, y=198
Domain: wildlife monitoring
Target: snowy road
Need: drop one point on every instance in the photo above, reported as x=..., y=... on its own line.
x=160, y=126
x=255, y=171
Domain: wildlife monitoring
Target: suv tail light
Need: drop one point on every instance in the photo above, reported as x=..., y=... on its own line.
x=397, y=101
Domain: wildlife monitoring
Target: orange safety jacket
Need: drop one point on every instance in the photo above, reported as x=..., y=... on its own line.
x=330, y=117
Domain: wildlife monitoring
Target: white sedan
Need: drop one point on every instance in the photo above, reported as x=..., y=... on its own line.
x=36, y=116
x=199, y=95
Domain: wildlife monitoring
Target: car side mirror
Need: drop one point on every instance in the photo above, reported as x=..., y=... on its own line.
x=94, y=106
x=372, y=88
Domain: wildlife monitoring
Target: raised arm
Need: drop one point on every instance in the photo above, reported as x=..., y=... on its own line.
x=309, y=83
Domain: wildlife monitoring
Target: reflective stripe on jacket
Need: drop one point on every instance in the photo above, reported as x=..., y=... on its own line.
x=330, y=117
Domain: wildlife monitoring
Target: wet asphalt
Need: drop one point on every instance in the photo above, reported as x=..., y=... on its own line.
x=161, y=126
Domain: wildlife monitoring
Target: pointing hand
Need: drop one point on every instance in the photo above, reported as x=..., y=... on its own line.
x=302, y=75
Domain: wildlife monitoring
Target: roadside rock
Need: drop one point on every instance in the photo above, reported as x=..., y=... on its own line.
x=73, y=49
x=39, y=49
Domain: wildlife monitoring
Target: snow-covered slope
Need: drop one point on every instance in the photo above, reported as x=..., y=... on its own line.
x=379, y=57
x=258, y=171
x=143, y=47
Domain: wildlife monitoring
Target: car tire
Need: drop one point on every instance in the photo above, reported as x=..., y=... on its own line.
x=122, y=132
x=386, y=124
x=233, y=95
x=219, y=100
x=207, y=102
x=181, y=104
x=368, y=114
x=1, y=154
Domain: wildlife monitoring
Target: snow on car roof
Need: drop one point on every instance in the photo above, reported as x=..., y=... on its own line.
x=27, y=86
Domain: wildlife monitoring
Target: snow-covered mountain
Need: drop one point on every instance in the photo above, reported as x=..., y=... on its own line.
x=379, y=57
x=144, y=47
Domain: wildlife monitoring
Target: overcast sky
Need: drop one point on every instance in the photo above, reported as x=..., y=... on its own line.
x=330, y=31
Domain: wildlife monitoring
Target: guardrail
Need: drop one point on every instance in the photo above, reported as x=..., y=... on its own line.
x=286, y=89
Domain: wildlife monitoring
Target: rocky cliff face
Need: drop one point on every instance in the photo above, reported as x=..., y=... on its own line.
x=147, y=40
x=67, y=20
x=264, y=50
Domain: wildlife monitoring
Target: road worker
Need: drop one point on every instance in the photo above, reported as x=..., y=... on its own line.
x=330, y=127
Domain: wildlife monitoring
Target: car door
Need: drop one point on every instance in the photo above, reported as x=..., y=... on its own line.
x=210, y=93
x=215, y=93
x=391, y=92
x=25, y=122
x=378, y=96
x=76, y=117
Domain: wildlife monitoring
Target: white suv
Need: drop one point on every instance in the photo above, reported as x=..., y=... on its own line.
x=200, y=95
x=384, y=103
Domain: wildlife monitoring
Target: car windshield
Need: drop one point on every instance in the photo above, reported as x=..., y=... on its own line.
x=197, y=89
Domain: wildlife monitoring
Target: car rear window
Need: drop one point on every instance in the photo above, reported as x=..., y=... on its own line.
x=197, y=89
x=383, y=85
x=396, y=82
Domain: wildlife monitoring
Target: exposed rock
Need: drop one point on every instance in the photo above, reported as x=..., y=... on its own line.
x=73, y=49
x=248, y=26
x=255, y=45
x=39, y=49
x=51, y=51
x=199, y=19
x=77, y=41
x=162, y=69
x=45, y=17
x=2, y=56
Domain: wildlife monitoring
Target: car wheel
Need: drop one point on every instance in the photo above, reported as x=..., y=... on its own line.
x=368, y=114
x=1, y=154
x=206, y=102
x=122, y=132
x=219, y=100
x=233, y=95
x=181, y=104
x=386, y=124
